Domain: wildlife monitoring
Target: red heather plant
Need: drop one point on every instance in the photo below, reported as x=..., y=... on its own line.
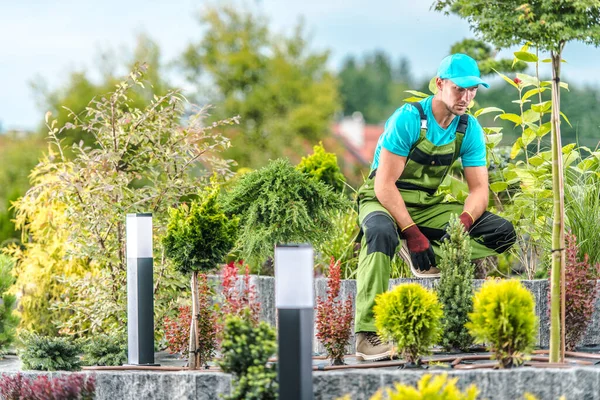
x=208, y=326
x=580, y=293
x=67, y=387
x=334, y=317
x=236, y=298
x=177, y=331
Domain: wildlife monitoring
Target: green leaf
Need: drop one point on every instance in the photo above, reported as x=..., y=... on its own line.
x=530, y=116
x=544, y=129
x=498, y=186
x=532, y=92
x=566, y=119
x=412, y=99
x=525, y=56
x=487, y=110
x=432, y=86
x=511, y=117
x=542, y=107
x=528, y=136
x=536, y=160
x=492, y=140
x=516, y=148
x=507, y=79
x=568, y=148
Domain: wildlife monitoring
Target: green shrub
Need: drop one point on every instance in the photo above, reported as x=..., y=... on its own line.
x=409, y=315
x=323, y=166
x=437, y=387
x=455, y=288
x=279, y=204
x=8, y=320
x=105, y=350
x=504, y=318
x=246, y=348
x=44, y=353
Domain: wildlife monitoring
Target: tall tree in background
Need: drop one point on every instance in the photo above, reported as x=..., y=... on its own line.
x=548, y=25
x=281, y=90
x=373, y=86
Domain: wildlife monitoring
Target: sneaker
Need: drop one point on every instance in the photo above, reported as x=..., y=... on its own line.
x=369, y=347
x=432, y=272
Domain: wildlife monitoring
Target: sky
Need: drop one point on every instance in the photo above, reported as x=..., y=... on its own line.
x=48, y=39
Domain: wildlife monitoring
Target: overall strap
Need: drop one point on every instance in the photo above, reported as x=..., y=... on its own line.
x=461, y=128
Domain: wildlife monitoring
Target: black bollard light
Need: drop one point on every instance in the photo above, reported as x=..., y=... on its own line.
x=140, y=301
x=294, y=301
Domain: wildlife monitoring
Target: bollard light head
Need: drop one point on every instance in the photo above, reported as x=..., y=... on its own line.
x=294, y=266
x=139, y=235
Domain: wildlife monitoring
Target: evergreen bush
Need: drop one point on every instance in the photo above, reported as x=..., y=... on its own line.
x=280, y=204
x=8, y=320
x=455, y=288
x=246, y=348
x=437, y=387
x=44, y=353
x=504, y=318
x=410, y=315
x=105, y=350
x=323, y=166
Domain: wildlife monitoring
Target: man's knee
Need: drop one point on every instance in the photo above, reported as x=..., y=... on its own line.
x=381, y=234
x=494, y=232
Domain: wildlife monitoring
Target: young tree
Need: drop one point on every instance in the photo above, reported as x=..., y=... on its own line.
x=548, y=25
x=281, y=90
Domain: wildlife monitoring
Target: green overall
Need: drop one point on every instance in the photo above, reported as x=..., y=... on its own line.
x=425, y=169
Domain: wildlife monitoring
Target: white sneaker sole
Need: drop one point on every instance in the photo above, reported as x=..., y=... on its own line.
x=405, y=255
x=374, y=357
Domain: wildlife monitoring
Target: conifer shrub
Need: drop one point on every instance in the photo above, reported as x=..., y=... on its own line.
x=44, y=353
x=334, y=317
x=246, y=348
x=437, y=387
x=504, y=318
x=323, y=166
x=280, y=204
x=410, y=315
x=581, y=293
x=455, y=288
x=8, y=319
x=105, y=350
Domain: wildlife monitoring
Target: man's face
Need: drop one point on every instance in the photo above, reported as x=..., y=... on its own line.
x=456, y=98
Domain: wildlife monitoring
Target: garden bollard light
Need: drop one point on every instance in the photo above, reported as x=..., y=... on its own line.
x=294, y=301
x=140, y=302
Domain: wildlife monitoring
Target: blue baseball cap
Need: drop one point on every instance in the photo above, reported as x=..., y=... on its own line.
x=462, y=70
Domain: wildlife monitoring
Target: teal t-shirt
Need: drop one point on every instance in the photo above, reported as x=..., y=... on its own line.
x=403, y=128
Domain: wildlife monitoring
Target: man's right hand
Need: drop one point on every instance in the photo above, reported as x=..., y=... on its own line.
x=421, y=253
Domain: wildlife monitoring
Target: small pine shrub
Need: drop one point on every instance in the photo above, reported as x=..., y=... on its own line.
x=279, y=204
x=580, y=293
x=455, y=288
x=105, y=350
x=504, y=318
x=410, y=315
x=177, y=331
x=323, y=166
x=67, y=387
x=238, y=296
x=245, y=349
x=8, y=320
x=44, y=353
x=334, y=317
x=437, y=387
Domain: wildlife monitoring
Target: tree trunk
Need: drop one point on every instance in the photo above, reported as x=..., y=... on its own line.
x=557, y=289
x=194, y=356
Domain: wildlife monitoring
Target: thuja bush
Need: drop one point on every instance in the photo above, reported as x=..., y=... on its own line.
x=280, y=204
x=105, y=350
x=504, y=318
x=334, y=317
x=455, y=288
x=8, y=319
x=46, y=353
x=246, y=348
x=66, y=387
x=580, y=293
x=437, y=387
x=410, y=315
x=323, y=166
